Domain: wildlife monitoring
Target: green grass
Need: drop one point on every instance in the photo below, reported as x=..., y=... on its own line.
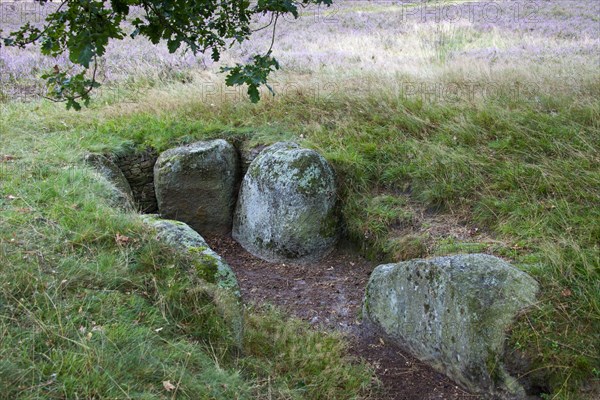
x=526, y=172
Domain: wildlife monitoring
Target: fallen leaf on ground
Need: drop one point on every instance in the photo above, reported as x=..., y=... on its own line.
x=168, y=386
x=566, y=292
x=122, y=239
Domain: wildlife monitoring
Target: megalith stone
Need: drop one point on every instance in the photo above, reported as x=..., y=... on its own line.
x=197, y=184
x=453, y=313
x=286, y=210
x=208, y=265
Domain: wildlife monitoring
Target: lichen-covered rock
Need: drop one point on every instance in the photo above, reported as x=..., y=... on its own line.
x=453, y=313
x=211, y=266
x=120, y=193
x=286, y=207
x=208, y=265
x=197, y=184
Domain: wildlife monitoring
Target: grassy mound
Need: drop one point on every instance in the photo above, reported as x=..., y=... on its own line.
x=91, y=306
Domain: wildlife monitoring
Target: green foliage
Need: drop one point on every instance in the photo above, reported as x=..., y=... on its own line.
x=371, y=218
x=71, y=88
x=254, y=75
x=84, y=28
x=273, y=350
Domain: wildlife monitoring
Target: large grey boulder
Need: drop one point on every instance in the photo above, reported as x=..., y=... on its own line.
x=197, y=184
x=120, y=191
x=207, y=265
x=286, y=207
x=453, y=313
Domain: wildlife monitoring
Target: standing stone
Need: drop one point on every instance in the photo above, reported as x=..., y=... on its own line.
x=453, y=313
x=286, y=207
x=196, y=184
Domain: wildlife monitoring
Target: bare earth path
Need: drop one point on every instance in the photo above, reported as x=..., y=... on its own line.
x=330, y=294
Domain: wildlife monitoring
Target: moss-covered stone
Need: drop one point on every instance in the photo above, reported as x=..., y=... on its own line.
x=208, y=265
x=286, y=209
x=453, y=312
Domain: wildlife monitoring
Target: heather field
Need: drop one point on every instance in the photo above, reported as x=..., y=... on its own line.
x=473, y=48
x=454, y=126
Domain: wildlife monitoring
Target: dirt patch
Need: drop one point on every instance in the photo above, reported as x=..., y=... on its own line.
x=329, y=295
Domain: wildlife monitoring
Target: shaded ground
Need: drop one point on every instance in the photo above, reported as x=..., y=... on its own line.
x=330, y=294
